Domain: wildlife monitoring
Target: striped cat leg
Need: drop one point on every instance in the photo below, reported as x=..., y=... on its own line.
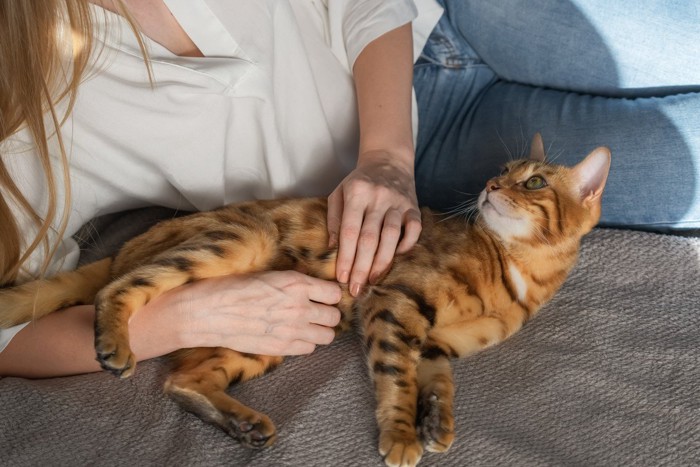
x=198, y=384
x=32, y=300
x=435, y=419
x=456, y=340
x=394, y=332
x=210, y=254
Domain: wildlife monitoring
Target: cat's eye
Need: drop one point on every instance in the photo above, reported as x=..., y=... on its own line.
x=504, y=170
x=535, y=183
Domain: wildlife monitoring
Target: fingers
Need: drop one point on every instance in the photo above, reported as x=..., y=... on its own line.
x=366, y=231
x=412, y=229
x=335, y=213
x=311, y=312
x=367, y=244
x=307, y=345
x=317, y=335
x=322, y=291
x=369, y=241
x=324, y=315
x=391, y=233
x=299, y=348
x=296, y=339
x=351, y=225
x=376, y=246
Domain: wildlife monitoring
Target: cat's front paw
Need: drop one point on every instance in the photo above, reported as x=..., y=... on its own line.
x=435, y=423
x=114, y=354
x=400, y=449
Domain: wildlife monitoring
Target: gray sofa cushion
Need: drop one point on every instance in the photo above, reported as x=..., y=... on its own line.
x=607, y=374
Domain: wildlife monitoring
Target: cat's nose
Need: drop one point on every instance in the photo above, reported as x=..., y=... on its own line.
x=492, y=186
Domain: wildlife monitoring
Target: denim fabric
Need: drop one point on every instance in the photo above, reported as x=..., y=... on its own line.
x=584, y=73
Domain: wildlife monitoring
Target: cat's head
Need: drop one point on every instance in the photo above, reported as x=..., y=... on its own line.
x=533, y=199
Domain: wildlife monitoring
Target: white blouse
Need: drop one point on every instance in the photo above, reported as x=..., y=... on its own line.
x=269, y=111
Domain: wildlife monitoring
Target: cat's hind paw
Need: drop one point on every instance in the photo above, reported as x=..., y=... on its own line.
x=435, y=424
x=400, y=449
x=257, y=433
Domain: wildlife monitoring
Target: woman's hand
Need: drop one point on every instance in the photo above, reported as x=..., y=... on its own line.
x=270, y=313
x=367, y=214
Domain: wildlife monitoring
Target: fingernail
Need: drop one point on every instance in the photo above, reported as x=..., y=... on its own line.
x=355, y=289
x=343, y=277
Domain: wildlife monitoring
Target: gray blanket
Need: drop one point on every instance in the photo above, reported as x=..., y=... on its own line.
x=607, y=374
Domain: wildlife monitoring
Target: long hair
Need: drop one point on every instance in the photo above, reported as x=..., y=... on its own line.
x=46, y=47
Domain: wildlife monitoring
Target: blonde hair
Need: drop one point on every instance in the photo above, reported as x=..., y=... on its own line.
x=45, y=52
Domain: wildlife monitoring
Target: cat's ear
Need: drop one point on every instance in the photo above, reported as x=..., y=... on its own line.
x=591, y=175
x=537, y=148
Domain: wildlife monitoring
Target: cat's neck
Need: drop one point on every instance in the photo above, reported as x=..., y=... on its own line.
x=524, y=248
x=535, y=267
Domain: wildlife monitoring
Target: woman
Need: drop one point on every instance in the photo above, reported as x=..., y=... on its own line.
x=265, y=99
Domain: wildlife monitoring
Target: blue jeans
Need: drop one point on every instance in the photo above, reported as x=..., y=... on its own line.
x=584, y=73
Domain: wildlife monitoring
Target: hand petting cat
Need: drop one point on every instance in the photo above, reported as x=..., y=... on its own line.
x=367, y=214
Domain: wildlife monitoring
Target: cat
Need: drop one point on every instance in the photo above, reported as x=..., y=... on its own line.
x=463, y=287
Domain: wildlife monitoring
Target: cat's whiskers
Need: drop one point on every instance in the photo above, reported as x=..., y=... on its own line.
x=538, y=231
x=541, y=237
x=471, y=211
x=474, y=213
x=505, y=146
x=559, y=250
x=524, y=141
x=465, y=208
x=553, y=158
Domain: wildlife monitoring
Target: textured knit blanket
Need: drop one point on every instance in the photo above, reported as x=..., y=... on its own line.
x=608, y=374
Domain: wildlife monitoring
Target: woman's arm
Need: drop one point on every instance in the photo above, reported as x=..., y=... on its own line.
x=369, y=209
x=58, y=344
x=273, y=313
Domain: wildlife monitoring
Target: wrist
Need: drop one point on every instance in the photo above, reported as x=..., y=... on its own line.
x=159, y=327
x=402, y=157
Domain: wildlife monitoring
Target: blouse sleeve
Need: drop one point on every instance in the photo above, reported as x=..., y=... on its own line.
x=356, y=23
x=6, y=335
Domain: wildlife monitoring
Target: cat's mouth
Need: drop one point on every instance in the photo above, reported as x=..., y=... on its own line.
x=499, y=207
x=502, y=217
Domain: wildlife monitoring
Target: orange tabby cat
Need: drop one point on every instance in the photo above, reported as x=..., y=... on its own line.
x=462, y=288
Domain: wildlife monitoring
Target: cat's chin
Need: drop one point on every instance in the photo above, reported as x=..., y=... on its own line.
x=505, y=225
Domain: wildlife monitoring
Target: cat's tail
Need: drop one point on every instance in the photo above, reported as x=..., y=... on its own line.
x=35, y=299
